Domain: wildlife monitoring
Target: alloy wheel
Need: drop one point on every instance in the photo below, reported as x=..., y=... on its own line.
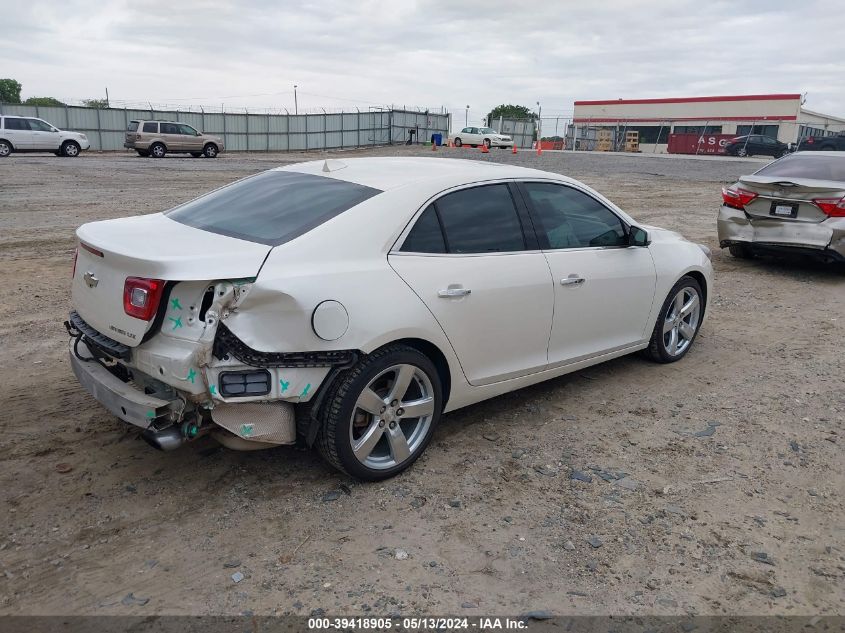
x=681, y=321
x=392, y=416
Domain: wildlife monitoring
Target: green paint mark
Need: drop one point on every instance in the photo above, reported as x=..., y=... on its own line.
x=305, y=391
x=246, y=430
x=174, y=303
x=191, y=375
x=177, y=323
x=151, y=414
x=213, y=390
x=284, y=384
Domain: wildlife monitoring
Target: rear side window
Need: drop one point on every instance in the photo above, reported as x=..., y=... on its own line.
x=132, y=127
x=273, y=207
x=170, y=128
x=151, y=127
x=426, y=236
x=812, y=166
x=569, y=218
x=16, y=124
x=480, y=220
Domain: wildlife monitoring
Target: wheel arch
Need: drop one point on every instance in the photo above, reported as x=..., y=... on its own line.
x=435, y=356
x=702, y=281
x=5, y=140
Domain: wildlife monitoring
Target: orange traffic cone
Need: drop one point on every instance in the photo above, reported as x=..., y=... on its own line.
x=451, y=144
x=484, y=149
x=539, y=148
x=433, y=146
x=513, y=148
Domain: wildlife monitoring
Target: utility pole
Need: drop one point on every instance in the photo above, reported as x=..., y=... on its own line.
x=107, y=96
x=466, y=117
x=539, y=122
x=295, y=104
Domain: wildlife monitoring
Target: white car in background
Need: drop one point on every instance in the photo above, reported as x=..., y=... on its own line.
x=475, y=136
x=28, y=134
x=349, y=304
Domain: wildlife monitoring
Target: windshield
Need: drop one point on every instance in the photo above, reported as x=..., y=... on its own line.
x=273, y=207
x=487, y=130
x=813, y=166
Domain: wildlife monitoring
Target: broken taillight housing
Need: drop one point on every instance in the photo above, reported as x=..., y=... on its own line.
x=834, y=207
x=141, y=297
x=737, y=197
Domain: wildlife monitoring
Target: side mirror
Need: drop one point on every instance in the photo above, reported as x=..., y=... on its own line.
x=199, y=133
x=638, y=237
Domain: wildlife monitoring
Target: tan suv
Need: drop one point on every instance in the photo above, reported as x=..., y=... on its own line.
x=157, y=138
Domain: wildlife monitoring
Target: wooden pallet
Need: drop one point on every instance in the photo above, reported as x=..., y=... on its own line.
x=632, y=141
x=604, y=141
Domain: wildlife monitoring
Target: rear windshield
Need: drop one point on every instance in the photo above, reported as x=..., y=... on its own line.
x=133, y=125
x=814, y=166
x=273, y=207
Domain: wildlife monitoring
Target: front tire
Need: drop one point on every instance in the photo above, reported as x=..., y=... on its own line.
x=458, y=142
x=210, y=150
x=678, y=322
x=158, y=150
x=487, y=143
x=70, y=149
x=380, y=415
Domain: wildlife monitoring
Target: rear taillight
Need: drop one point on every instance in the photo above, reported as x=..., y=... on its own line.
x=736, y=197
x=75, y=255
x=834, y=207
x=141, y=297
x=810, y=140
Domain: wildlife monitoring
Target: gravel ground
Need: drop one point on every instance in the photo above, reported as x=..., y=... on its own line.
x=711, y=486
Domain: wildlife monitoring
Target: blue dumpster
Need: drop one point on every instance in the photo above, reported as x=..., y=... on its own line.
x=437, y=139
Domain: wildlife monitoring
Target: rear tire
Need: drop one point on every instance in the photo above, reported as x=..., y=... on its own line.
x=381, y=440
x=741, y=152
x=70, y=149
x=158, y=150
x=210, y=150
x=5, y=148
x=678, y=322
x=741, y=251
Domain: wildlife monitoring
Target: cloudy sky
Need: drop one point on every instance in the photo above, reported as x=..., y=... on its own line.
x=429, y=53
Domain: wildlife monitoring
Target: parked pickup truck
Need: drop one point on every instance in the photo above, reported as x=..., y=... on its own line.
x=824, y=143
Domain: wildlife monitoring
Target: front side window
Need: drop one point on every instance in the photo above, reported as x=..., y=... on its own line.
x=426, y=236
x=16, y=124
x=150, y=127
x=480, y=220
x=569, y=218
x=38, y=125
x=272, y=207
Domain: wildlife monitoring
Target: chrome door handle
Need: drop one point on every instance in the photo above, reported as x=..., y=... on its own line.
x=453, y=292
x=572, y=280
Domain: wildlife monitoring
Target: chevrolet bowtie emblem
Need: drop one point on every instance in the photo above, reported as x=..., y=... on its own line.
x=91, y=279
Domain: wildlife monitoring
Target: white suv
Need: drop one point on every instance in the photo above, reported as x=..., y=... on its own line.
x=28, y=134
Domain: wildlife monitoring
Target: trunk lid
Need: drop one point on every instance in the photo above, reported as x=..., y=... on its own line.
x=789, y=199
x=153, y=247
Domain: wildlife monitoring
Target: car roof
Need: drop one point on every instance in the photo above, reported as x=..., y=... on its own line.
x=386, y=173
x=808, y=154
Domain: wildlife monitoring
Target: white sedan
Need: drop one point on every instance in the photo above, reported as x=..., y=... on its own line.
x=349, y=304
x=475, y=136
